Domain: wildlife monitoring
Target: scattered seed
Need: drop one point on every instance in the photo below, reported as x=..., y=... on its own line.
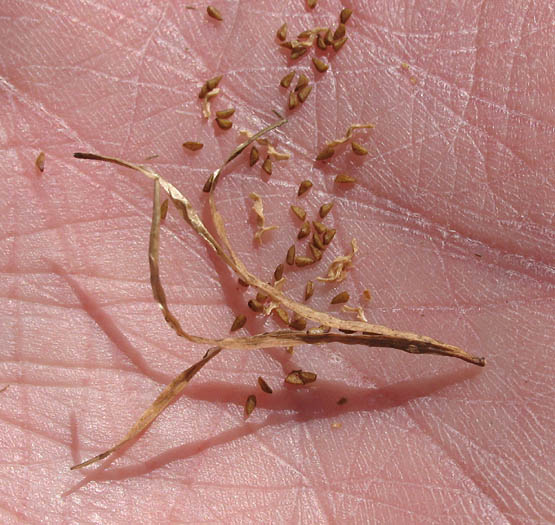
x=308, y=290
x=298, y=52
x=304, y=92
x=239, y=322
x=320, y=65
x=316, y=252
x=328, y=236
x=303, y=261
x=338, y=44
x=325, y=209
x=326, y=153
x=328, y=38
x=287, y=45
x=293, y=100
x=265, y=387
x=366, y=295
x=193, y=146
x=342, y=401
x=213, y=83
x=300, y=377
x=203, y=91
x=164, y=209
x=282, y=314
x=319, y=227
x=304, y=231
x=304, y=186
x=225, y=113
x=214, y=13
x=302, y=82
x=267, y=165
x=311, y=3
x=290, y=259
x=39, y=161
x=298, y=323
x=339, y=32
x=290, y=349
x=345, y=15
x=254, y=155
x=282, y=32
x=358, y=149
x=304, y=34
x=255, y=306
x=342, y=297
x=287, y=79
x=261, y=297
x=321, y=43
x=342, y=179
x=336, y=425
x=224, y=123
x=317, y=242
x=278, y=272
x=242, y=283
x=250, y=405
x=299, y=212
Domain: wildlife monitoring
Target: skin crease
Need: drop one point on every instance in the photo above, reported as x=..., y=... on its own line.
x=453, y=214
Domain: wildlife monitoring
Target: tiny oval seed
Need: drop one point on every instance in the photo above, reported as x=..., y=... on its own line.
x=254, y=155
x=214, y=13
x=320, y=65
x=342, y=297
x=239, y=322
x=265, y=387
x=302, y=82
x=299, y=212
x=255, y=306
x=358, y=149
x=164, y=210
x=287, y=79
x=193, y=146
x=304, y=92
x=344, y=179
x=321, y=43
x=250, y=405
x=316, y=252
x=309, y=290
x=298, y=323
x=304, y=186
x=325, y=209
x=224, y=123
x=293, y=100
x=338, y=44
x=290, y=259
x=225, y=113
x=212, y=83
x=304, y=231
x=278, y=272
x=328, y=236
x=267, y=165
x=319, y=227
x=282, y=314
x=303, y=261
x=39, y=161
x=282, y=32
x=317, y=242
x=326, y=153
x=298, y=52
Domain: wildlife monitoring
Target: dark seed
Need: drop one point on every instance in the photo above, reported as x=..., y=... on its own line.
x=338, y=44
x=214, y=13
x=250, y=405
x=287, y=79
x=242, y=283
x=293, y=100
x=225, y=113
x=224, y=123
x=299, y=212
x=328, y=236
x=319, y=227
x=299, y=377
x=304, y=231
x=343, y=179
x=278, y=272
x=255, y=306
x=325, y=209
x=311, y=3
x=298, y=323
x=193, y=146
x=326, y=153
x=320, y=65
x=290, y=259
x=339, y=32
x=302, y=82
x=265, y=387
x=342, y=401
x=303, y=261
x=345, y=15
x=164, y=210
x=342, y=297
x=239, y=322
x=282, y=32
x=358, y=149
x=39, y=161
x=203, y=90
x=304, y=186
x=267, y=165
x=304, y=92
x=253, y=157
x=309, y=290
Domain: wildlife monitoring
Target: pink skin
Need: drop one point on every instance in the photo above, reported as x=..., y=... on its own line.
x=453, y=213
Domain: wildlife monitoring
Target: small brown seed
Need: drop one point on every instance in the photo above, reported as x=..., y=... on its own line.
x=224, y=123
x=342, y=297
x=317, y=242
x=298, y=52
x=225, y=113
x=304, y=34
x=265, y=387
x=304, y=186
x=343, y=179
x=320, y=43
x=299, y=212
x=302, y=82
x=328, y=236
x=339, y=32
x=261, y=297
x=282, y=314
x=39, y=161
x=338, y=44
x=267, y=165
x=250, y=405
x=325, y=209
x=293, y=100
x=203, y=90
x=319, y=227
x=290, y=349
x=212, y=83
x=300, y=377
x=328, y=38
x=243, y=283
x=367, y=295
x=287, y=45
x=358, y=149
x=304, y=231
x=290, y=259
x=287, y=79
x=304, y=92
x=239, y=322
x=320, y=65
x=303, y=261
x=342, y=401
x=282, y=32
x=254, y=156
x=164, y=210
x=345, y=15
x=308, y=290
x=278, y=272
x=316, y=252
x=326, y=153
x=298, y=323
x=214, y=13
x=311, y=3
x=193, y=146
x=255, y=306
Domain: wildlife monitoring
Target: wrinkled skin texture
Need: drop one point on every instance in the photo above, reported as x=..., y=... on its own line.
x=453, y=213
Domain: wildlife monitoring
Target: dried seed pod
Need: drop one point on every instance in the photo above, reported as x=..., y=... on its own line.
x=328, y=236
x=342, y=401
x=290, y=259
x=321, y=43
x=282, y=314
x=304, y=186
x=265, y=387
x=298, y=52
x=282, y=32
x=325, y=209
x=326, y=153
x=255, y=306
x=298, y=323
x=342, y=297
x=303, y=261
x=293, y=100
x=278, y=272
x=214, y=13
x=339, y=32
x=224, y=123
x=319, y=227
x=345, y=15
x=317, y=242
x=39, y=161
x=254, y=156
x=328, y=38
x=300, y=377
x=316, y=252
x=302, y=82
x=287, y=79
x=239, y=322
x=304, y=231
x=299, y=212
x=164, y=209
x=338, y=44
x=308, y=290
x=193, y=146
x=267, y=165
x=344, y=179
x=358, y=149
x=242, y=283
x=311, y=3
x=250, y=405
x=261, y=297
x=304, y=92
x=225, y=113
x=320, y=65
